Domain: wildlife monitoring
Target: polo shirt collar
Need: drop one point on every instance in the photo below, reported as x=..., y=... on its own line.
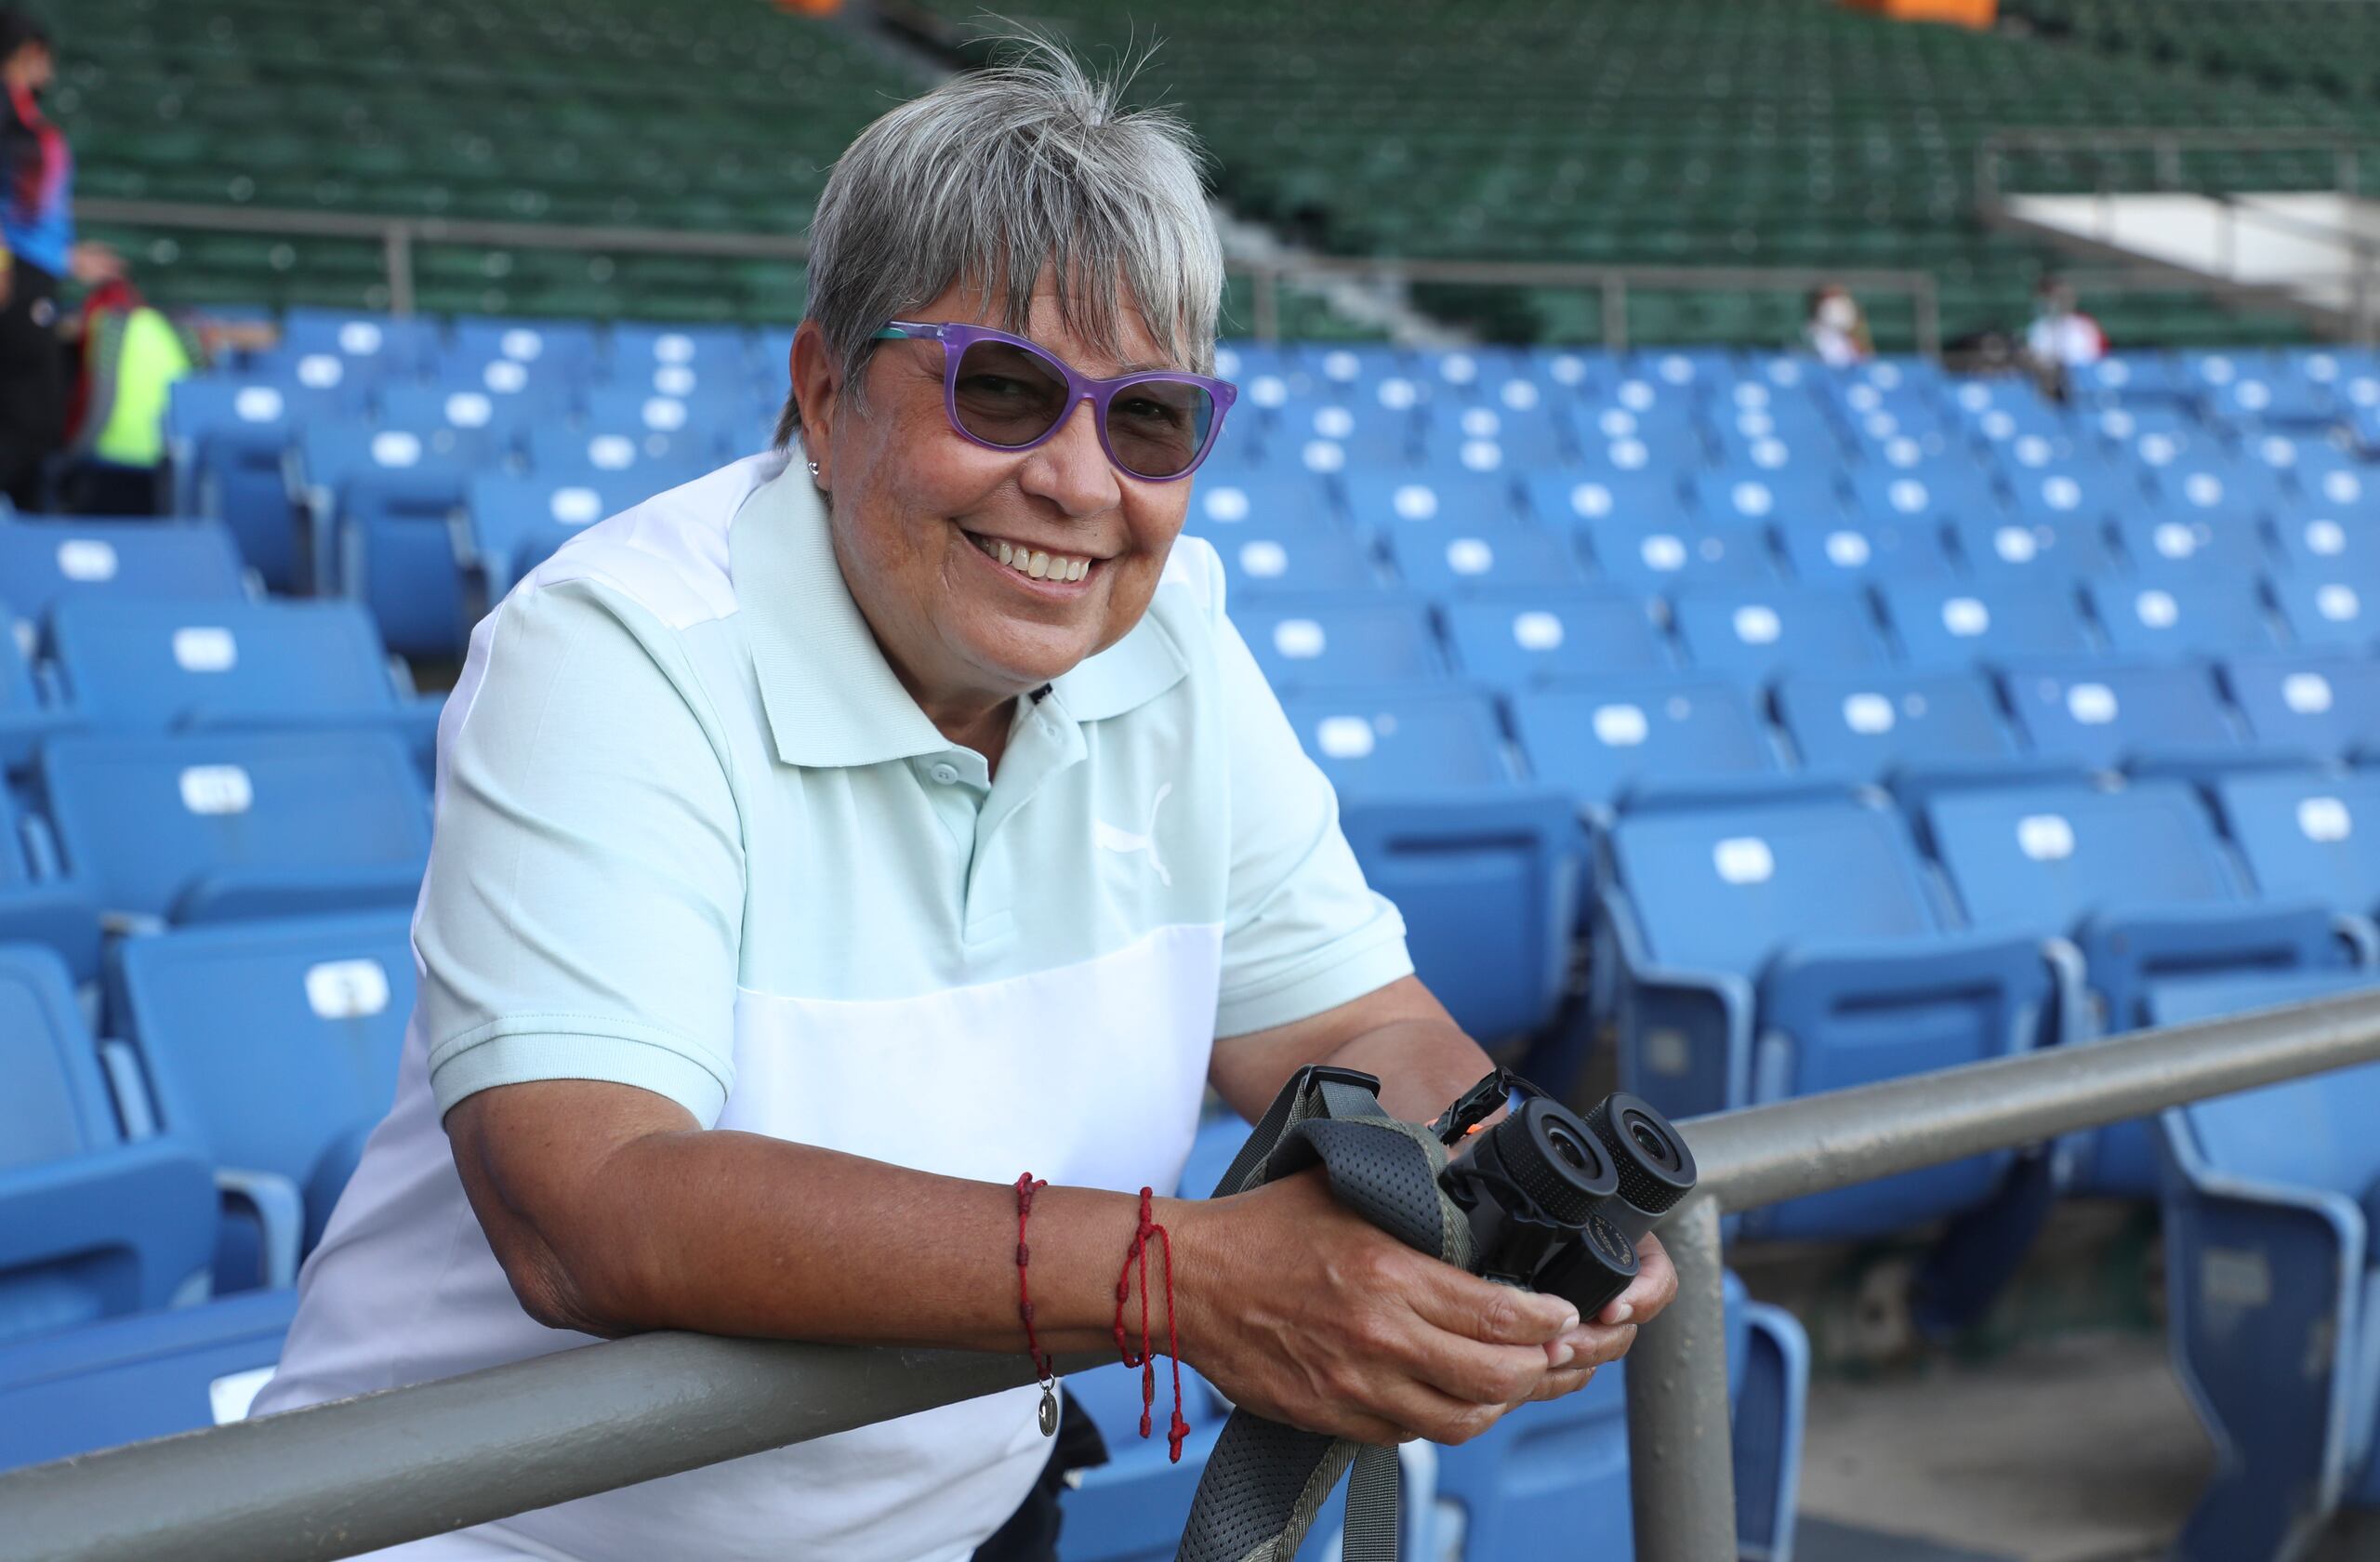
x=831, y=697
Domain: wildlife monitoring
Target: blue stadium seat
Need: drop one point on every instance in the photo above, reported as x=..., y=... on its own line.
x=1387, y=502
x=1133, y=1507
x=1354, y=432
x=2162, y=544
x=1661, y=557
x=39, y=904
x=1883, y=724
x=2307, y=836
x=131, y=663
x=1260, y=562
x=1756, y=632
x=2324, y=705
x=2032, y=549
x=2213, y=489
x=276, y=1044
x=2070, y=491
x=469, y=424
x=1305, y=643
x=2316, y=539
x=44, y=560
x=1960, y=624
x=228, y=444
x=1516, y=637
x=1771, y=950
x=1644, y=496
x=1610, y=740
x=1489, y=438
x=319, y=383
x=1455, y=558
x=2329, y=611
x=92, y=1223
x=2138, y=882
x=1851, y=552
x=518, y=520
x=559, y=347
x=126, y=1380
x=639, y=349
x=206, y=828
x=2107, y=715
x=1790, y=498
x=1223, y=506
x=2210, y=615
x=703, y=427
x=403, y=345
x=1487, y=870
x=383, y=506
x=2274, y=1290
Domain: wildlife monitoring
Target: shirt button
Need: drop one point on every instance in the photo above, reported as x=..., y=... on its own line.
x=944, y=773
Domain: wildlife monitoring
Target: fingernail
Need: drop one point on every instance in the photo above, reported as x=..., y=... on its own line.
x=1569, y=1319
x=1564, y=1354
x=1619, y=1314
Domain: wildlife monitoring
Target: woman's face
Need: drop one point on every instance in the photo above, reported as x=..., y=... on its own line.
x=920, y=514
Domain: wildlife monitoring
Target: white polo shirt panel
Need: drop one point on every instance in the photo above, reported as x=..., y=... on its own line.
x=694, y=836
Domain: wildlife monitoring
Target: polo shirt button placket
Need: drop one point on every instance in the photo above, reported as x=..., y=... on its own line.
x=947, y=774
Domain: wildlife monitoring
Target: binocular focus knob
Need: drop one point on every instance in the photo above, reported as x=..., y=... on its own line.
x=1548, y=1151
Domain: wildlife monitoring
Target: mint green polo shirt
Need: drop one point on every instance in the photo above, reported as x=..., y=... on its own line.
x=694, y=836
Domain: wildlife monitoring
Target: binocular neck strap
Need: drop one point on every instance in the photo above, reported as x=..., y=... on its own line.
x=1266, y=1482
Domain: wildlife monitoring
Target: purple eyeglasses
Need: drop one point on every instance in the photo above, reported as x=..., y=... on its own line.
x=1004, y=392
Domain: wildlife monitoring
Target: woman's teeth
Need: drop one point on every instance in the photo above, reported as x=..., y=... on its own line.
x=1033, y=562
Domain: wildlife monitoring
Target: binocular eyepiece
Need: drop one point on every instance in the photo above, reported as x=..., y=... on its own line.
x=1558, y=1202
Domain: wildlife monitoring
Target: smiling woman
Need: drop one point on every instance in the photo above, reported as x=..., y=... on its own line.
x=826, y=844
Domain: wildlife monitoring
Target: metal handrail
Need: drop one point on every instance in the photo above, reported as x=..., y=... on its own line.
x=356, y=1474
x=398, y=236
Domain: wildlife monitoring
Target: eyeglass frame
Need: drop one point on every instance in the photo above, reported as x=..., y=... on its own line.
x=956, y=337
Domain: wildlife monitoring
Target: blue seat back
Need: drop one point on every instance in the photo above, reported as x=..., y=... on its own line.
x=1756, y=632
x=2307, y=836
x=281, y=1038
x=56, y=1105
x=1458, y=559
x=1228, y=504
x=1873, y=723
x=150, y=819
x=2206, y=616
x=2039, y=859
x=1724, y=889
x=1308, y=644
x=1959, y=624
x=1605, y=737
x=1260, y=561
x=2322, y=704
x=2100, y=714
x=126, y=1380
x=43, y=561
x=165, y=664
x=1519, y=637
x=1396, y=742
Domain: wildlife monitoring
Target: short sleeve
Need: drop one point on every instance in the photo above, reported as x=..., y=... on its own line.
x=583, y=909
x=1302, y=932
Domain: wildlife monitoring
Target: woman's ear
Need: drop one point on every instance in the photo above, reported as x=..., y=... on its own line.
x=817, y=379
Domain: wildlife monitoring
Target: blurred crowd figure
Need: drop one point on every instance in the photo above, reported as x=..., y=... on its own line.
x=37, y=253
x=2061, y=338
x=1837, y=328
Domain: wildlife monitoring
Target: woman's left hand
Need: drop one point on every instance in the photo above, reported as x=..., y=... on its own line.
x=1605, y=1337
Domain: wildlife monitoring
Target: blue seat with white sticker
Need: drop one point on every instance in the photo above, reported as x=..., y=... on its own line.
x=1523, y=636
x=2209, y=614
x=1261, y=563
x=1488, y=869
x=1319, y=643
x=2137, y=881
x=2322, y=704
x=2105, y=715
x=1767, y=950
x=1222, y=505
x=216, y=826
x=1883, y=724
x=1448, y=558
x=45, y=560
x=1957, y=624
x=276, y=1044
x=1661, y=557
x=2328, y=610
x=2031, y=550
x=2307, y=836
x=1387, y=502
x=1757, y=632
x=1609, y=740
x=1849, y=552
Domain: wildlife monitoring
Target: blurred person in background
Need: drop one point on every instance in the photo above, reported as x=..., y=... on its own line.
x=38, y=231
x=2061, y=337
x=1837, y=328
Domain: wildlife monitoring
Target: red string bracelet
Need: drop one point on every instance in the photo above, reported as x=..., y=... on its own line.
x=1043, y=1367
x=1179, y=1429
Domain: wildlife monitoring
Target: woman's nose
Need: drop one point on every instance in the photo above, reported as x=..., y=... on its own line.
x=1072, y=469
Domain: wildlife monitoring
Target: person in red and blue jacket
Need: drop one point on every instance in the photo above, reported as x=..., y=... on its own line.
x=38, y=231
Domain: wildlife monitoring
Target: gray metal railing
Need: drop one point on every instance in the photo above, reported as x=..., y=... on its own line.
x=357, y=1474
x=399, y=237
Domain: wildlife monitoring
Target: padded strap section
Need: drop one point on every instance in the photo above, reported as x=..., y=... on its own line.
x=1265, y=1482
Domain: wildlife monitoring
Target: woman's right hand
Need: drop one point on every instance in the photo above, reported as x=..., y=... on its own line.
x=1304, y=1313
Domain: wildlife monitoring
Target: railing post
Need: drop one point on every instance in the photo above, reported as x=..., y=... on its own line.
x=1614, y=312
x=396, y=246
x=1926, y=298
x=1268, y=304
x=1681, y=1460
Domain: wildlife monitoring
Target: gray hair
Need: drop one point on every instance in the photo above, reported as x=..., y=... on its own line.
x=997, y=174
